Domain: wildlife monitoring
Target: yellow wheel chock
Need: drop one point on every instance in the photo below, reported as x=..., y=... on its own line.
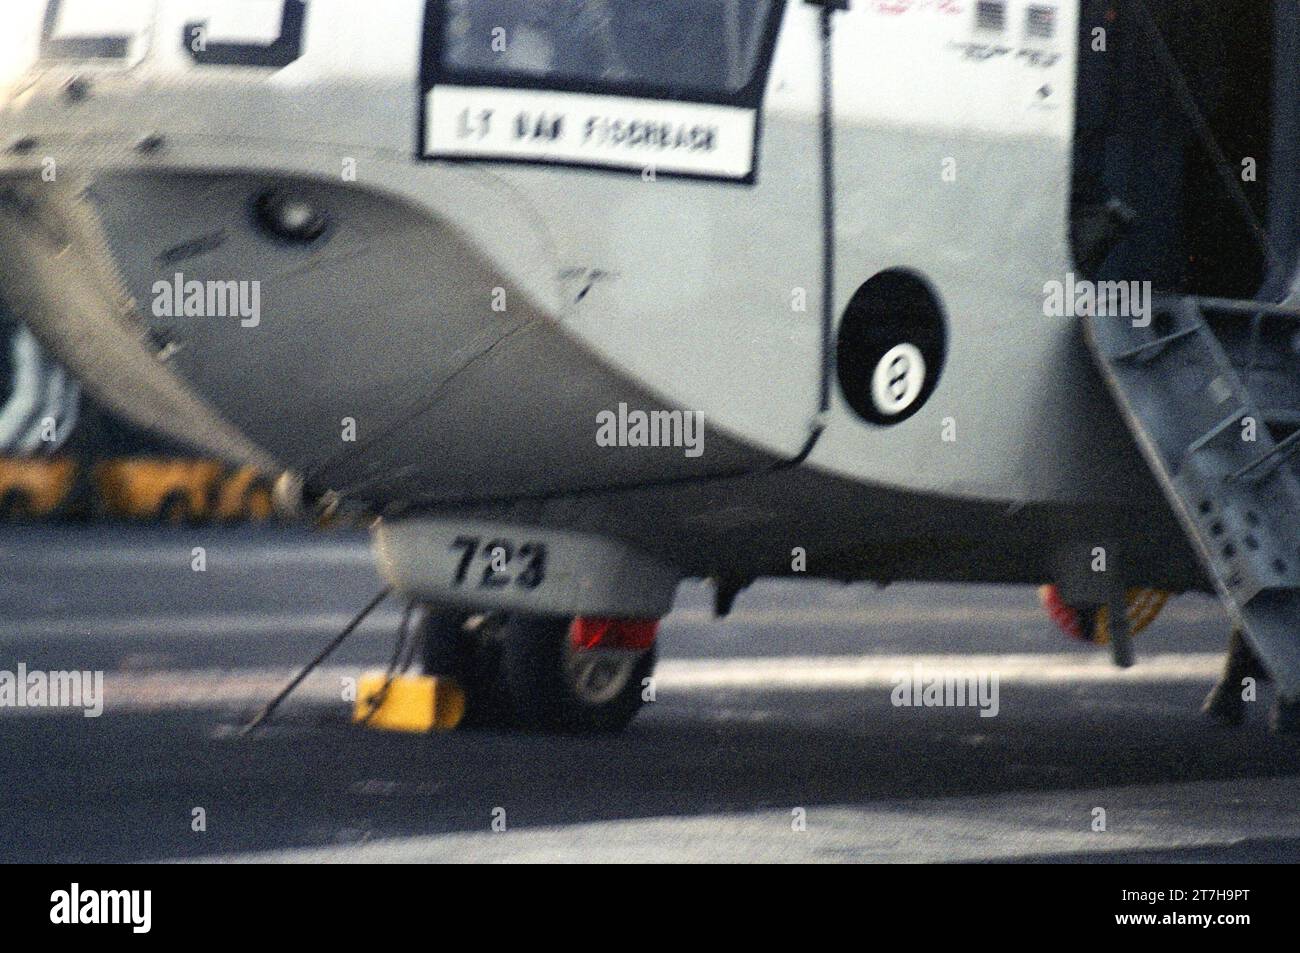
x=418, y=703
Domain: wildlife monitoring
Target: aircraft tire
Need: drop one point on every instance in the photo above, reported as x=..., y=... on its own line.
x=551, y=686
x=466, y=647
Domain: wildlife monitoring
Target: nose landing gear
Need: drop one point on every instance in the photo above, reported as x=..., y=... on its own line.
x=544, y=672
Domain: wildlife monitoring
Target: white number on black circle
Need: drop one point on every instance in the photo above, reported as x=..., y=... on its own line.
x=898, y=379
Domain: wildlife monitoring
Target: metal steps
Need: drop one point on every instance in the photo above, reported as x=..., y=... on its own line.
x=1228, y=466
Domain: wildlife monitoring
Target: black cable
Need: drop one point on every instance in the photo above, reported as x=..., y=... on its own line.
x=412, y=642
x=398, y=663
x=827, y=130
x=827, y=136
x=402, y=631
x=324, y=653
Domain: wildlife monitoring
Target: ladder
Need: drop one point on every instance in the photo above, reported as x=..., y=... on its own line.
x=1210, y=388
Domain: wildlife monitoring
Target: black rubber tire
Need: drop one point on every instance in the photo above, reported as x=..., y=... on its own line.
x=466, y=647
x=534, y=652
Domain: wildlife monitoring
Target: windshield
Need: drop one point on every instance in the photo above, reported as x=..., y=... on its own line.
x=700, y=46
